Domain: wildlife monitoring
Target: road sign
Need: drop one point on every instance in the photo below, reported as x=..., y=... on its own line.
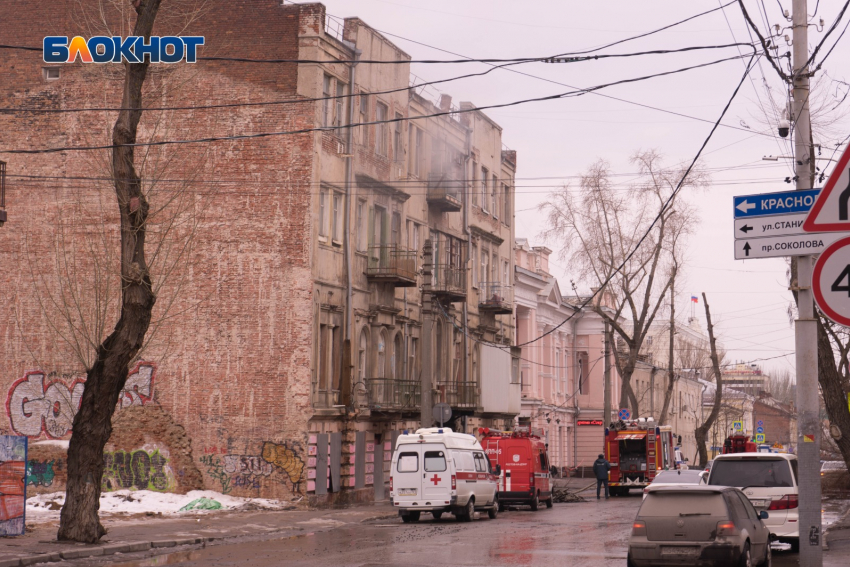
x=624, y=413
x=760, y=438
x=831, y=211
x=783, y=203
x=442, y=413
x=774, y=225
x=831, y=281
x=760, y=422
x=759, y=429
x=779, y=246
x=738, y=425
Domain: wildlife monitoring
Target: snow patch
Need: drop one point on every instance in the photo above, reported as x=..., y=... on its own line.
x=61, y=443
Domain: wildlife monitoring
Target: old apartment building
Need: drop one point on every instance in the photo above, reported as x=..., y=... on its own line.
x=288, y=346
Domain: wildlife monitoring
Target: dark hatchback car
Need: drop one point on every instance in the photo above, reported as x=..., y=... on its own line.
x=698, y=525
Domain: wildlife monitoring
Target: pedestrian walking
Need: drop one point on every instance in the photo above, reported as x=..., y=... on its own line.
x=600, y=469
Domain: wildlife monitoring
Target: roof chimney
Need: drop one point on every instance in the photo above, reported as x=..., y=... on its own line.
x=445, y=102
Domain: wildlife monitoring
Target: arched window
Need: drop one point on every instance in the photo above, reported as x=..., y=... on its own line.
x=362, y=355
x=439, y=347
x=381, y=370
x=398, y=358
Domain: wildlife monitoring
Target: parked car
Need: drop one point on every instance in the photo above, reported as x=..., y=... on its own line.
x=708, y=465
x=698, y=525
x=832, y=467
x=675, y=478
x=770, y=482
x=436, y=470
x=681, y=460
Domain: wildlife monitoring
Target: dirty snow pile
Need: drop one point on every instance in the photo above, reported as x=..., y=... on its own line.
x=46, y=506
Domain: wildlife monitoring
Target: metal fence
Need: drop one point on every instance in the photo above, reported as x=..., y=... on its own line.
x=392, y=394
x=495, y=295
x=459, y=394
x=390, y=260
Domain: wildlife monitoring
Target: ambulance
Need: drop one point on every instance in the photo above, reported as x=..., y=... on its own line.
x=438, y=471
x=522, y=457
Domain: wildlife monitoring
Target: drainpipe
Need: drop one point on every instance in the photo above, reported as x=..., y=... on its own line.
x=576, y=409
x=349, y=197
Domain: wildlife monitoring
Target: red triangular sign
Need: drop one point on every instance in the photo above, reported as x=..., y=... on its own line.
x=831, y=211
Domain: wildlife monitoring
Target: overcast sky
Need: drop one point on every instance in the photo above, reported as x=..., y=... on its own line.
x=557, y=140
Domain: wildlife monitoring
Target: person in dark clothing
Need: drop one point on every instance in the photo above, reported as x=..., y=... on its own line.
x=600, y=469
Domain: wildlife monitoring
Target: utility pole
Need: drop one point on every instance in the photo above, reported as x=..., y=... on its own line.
x=808, y=430
x=426, y=415
x=606, y=397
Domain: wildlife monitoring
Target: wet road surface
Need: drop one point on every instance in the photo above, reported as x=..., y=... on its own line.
x=587, y=534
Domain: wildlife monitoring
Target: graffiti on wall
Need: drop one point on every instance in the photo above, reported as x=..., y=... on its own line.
x=216, y=471
x=139, y=469
x=13, y=451
x=39, y=403
x=287, y=459
x=40, y=473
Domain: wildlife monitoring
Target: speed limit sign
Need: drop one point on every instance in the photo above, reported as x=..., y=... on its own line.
x=831, y=281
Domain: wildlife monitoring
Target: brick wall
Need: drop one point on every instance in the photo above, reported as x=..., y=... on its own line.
x=231, y=338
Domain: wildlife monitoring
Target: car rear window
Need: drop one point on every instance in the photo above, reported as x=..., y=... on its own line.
x=435, y=461
x=666, y=504
x=673, y=477
x=752, y=472
x=408, y=462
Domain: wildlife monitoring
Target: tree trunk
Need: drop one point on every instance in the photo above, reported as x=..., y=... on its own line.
x=834, y=394
x=701, y=432
x=671, y=375
x=106, y=378
x=627, y=393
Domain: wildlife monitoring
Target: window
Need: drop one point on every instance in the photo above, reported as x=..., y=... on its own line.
x=494, y=273
x=413, y=235
x=378, y=226
x=336, y=358
x=481, y=463
x=506, y=268
x=339, y=105
x=361, y=225
x=464, y=461
x=361, y=355
x=506, y=208
x=415, y=150
x=649, y=340
x=323, y=212
x=408, y=462
x=494, y=188
x=583, y=372
x=381, y=112
x=412, y=360
x=485, y=175
x=337, y=217
x=474, y=183
x=482, y=273
x=50, y=73
x=364, y=117
x=395, y=236
x=435, y=461
x=398, y=150
x=381, y=370
x=474, y=267
x=324, y=359
x=326, y=102
x=756, y=472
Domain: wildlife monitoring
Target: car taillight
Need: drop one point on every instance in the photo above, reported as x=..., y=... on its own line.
x=726, y=528
x=639, y=528
x=391, y=484
x=787, y=502
x=454, y=482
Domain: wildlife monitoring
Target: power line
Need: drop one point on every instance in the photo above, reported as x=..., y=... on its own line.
x=372, y=123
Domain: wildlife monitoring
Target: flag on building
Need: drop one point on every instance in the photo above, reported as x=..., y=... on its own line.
x=694, y=299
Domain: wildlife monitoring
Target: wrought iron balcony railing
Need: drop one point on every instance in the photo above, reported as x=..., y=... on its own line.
x=495, y=297
x=391, y=263
x=449, y=282
x=389, y=394
x=445, y=194
x=459, y=394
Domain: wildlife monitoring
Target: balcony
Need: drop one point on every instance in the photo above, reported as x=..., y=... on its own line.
x=325, y=398
x=389, y=263
x=389, y=394
x=495, y=297
x=448, y=283
x=458, y=394
x=445, y=194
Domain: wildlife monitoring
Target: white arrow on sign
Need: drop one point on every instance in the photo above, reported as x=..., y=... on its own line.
x=745, y=206
x=831, y=282
x=780, y=246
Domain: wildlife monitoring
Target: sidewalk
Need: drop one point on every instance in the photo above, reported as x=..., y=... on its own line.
x=837, y=549
x=143, y=532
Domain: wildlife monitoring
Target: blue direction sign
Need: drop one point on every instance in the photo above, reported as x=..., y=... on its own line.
x=624, y=413
x=766, y=204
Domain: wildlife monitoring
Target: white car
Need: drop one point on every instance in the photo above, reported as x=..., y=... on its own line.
x=676, y=478
x=769, y=480
x=436, y=470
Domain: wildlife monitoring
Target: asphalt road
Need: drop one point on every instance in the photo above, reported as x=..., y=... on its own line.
x=592, y=533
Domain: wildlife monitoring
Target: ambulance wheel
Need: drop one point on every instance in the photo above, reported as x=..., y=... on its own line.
x=408, y=517
x=468, y=511
x=494, y=511
x=549, y=502
x=535, y=503
x=437, y=515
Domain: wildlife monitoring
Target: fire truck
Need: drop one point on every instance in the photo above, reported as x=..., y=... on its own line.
x=637, y=450
x=740, y=443
x=523, y=463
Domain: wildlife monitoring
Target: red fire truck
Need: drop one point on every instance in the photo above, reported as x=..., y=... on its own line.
x=524, y=463
x=740, y=443
x=637, y=450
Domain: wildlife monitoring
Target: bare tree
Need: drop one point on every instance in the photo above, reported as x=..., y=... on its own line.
x=701, y=432
x=106, y=377
x=601, y=225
